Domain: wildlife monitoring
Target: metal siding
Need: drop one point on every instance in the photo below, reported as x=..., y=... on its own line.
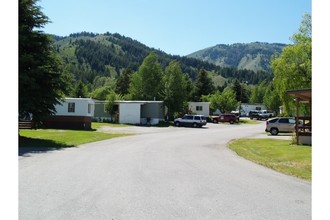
x=152, y=110
x=99, y=111
x=130, y=113
x=81, y=107
x=205, y=105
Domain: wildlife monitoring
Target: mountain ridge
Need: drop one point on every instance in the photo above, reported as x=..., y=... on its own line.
x=89, y=56
x=254, y=56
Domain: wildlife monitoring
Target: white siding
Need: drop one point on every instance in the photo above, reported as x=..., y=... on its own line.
x=200, y=108
x=81, y=107
x=130, y=113
x=246, y=108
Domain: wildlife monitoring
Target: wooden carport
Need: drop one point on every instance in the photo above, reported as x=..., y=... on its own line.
x=303, y=130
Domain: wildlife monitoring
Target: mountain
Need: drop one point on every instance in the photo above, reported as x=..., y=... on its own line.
x=89, y=56
x=252, y=56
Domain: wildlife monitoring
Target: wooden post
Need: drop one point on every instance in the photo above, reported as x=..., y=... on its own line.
x=297, y=119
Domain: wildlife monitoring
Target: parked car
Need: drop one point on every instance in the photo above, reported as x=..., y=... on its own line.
x=265, y=114
x=254, y=114
x=280, y=125
x=191, y=120
x=231, y=118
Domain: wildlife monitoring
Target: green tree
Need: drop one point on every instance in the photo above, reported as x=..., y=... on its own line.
x=110, y=104
x=228, y=100
x=101, y=93
x=175, y=85
x=146, y=83
x=293, y=67
x=124, y=81
x=237, y=88
x=68, y=77
x=271, y=99
x=102, y=81
x=80, y=90
x=225, y=101
x=203, y=85
x=41, y=85
x=258, y=92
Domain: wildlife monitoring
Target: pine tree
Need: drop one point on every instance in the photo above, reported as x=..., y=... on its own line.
x=123, y=82
x=203, y=85
x=41, y=85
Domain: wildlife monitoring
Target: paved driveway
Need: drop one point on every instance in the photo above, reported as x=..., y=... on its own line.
x=161, y=173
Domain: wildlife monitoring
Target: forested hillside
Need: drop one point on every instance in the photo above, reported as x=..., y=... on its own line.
x=252, y=56
x=89, y=56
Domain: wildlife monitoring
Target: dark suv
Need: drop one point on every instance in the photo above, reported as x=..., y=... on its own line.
x=191, y=120
x=254, y=114
x=259, y=115
x=231, y=118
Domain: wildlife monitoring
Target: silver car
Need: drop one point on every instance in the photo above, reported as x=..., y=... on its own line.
x=191, y=120
x=280, y=125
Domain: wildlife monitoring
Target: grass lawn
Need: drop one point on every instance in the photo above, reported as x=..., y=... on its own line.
x=280, y=155
x=248, y=121
x=61, y=138
x=96, y=125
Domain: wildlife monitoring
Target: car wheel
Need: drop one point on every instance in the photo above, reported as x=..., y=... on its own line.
x=177, y=124
x=274, y=131
x=231, y=122
x=195, y=125
x=215, y=121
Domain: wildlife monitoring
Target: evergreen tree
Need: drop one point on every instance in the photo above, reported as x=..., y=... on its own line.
x=123, y=82
x=41, y=85
x=203, y=85
x=237, y=88
x=80, y=90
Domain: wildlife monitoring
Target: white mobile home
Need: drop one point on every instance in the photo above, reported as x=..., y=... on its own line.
x=200, y=108
x=73, y=113
x=245, y=108
x=132, y=112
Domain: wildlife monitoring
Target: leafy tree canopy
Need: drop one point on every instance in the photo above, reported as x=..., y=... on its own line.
x=175, y=87
x=147, y=82
x=293, y=68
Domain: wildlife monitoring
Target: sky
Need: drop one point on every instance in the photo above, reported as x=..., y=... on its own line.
x=179, y=27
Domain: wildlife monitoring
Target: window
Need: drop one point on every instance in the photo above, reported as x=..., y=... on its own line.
x=283, y=120
x=197, y=118
x=292, y=121
x=89, y=108
x=71, y=107
x=199, y=108
x=188, y=117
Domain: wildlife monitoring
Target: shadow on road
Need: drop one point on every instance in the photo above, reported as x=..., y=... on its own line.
x=34, y=145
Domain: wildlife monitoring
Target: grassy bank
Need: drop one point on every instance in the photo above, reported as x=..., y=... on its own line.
x=61, y=138
x=280, y=155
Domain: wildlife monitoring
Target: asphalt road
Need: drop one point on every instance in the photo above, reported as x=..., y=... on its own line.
x=161, y=173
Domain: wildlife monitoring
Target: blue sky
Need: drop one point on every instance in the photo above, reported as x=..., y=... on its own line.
x=179, y=27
